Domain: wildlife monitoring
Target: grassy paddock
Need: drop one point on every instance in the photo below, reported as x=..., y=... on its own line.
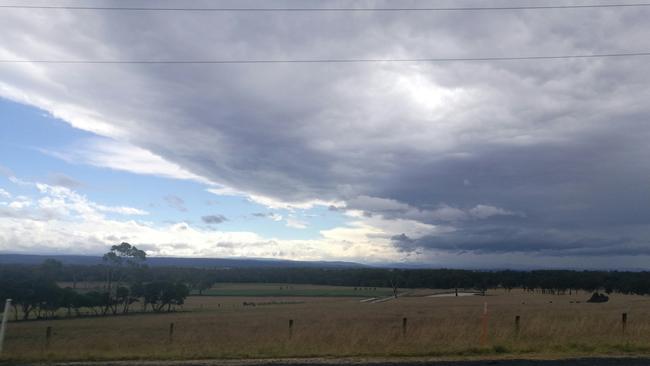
x=279, y=289
x=221, y=327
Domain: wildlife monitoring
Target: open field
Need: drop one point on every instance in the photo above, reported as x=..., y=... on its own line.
x=279, y=289
x=222, y=327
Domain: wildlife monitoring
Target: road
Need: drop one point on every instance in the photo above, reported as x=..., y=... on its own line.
x=363, y=362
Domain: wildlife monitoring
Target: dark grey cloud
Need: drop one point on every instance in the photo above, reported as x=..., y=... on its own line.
x=112, y=238
x=579, y=199
x=175, y=202
x=510, y=157
x=525, y=240
x=63, y=180
x=268, y=215
x=214, y=219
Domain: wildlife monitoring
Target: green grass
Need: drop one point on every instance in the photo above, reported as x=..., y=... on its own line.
x=295, y=293
x=285, y=290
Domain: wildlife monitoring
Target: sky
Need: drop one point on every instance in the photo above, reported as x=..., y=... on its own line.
x=464, y=164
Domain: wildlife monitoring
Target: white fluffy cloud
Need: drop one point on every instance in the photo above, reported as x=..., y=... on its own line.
x=109, y=153
x=20, y=202
x=295, y=223
x=4, y=193
x=60, y=220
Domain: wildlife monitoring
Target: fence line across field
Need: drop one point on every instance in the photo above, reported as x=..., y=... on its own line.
x=483, y=339
x=483, y=335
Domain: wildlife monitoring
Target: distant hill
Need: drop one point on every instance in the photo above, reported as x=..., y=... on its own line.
x=180, y=262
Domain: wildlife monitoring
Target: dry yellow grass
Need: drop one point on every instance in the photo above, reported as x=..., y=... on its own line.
x=449, y=326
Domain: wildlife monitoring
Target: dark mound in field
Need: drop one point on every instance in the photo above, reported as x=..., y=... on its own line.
x=597, y=297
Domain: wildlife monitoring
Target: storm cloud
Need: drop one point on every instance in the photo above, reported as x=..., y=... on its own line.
x=537, y=157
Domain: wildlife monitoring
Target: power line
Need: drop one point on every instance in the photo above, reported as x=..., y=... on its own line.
x=324, y=61
x=499, y=8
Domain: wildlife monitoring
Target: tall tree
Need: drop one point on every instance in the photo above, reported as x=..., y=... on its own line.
x=118, y=258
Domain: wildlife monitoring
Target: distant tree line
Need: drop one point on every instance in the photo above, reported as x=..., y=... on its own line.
x=539, y=281
x=35, y=291
x=127, y=283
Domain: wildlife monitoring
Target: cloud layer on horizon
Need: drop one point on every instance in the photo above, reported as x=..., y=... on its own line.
x=59, y=220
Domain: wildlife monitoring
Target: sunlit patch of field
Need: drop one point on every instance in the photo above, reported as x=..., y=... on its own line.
x=222, y=327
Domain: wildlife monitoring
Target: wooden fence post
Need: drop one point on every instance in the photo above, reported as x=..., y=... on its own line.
x=48, y=336
x=484, y=325
x=624, y=322
x=290, y=328
x=517, y=321
x=171, y=332
x=404, y=323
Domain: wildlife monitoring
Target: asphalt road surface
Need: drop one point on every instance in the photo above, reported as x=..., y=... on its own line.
x=357, y=362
